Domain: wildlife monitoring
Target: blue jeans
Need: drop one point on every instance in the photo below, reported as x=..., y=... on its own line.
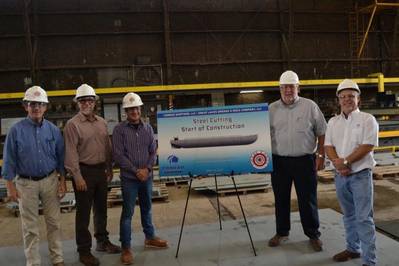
x=355, y=195
x=130, y=190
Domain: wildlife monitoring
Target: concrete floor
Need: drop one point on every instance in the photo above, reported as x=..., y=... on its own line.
x=205, y=244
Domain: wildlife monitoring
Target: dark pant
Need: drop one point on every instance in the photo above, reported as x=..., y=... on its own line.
x=96, y=196
x=302, y=171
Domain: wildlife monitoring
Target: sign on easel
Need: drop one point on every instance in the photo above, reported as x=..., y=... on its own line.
x=215, y=140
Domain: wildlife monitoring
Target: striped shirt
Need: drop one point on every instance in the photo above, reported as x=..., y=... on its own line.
x=133, y=148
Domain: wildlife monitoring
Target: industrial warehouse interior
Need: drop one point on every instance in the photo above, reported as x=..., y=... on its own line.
x=208, y=81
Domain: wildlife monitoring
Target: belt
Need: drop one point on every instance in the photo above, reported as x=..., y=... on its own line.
x=294, y=157
x=36, y=178
x=98, y=165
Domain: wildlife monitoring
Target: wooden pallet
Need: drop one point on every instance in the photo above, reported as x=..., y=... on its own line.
x=325, y=176
x=381, y=172
x=66, y=205
x=172, y=181
x=244, y=190
x=175, y=182
x=160, y=192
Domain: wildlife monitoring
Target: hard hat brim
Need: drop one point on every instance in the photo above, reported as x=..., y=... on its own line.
x=344, y=89
x=131, y=106
x=75, y=99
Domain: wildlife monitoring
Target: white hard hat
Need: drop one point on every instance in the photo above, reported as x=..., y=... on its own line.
x=131, y=100
x=348, y=84
x=289, y=77
x=85, y=90
x=36, y=94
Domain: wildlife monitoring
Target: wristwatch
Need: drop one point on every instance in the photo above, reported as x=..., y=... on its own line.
x=320, y=155
x=346, y=163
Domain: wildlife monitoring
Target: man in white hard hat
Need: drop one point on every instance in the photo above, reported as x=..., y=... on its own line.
x=350, y=139
x=34, y=160
x=297, y=133
x=88, y=158
x=134, y=150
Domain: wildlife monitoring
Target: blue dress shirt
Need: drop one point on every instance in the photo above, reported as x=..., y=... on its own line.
x=33, y=149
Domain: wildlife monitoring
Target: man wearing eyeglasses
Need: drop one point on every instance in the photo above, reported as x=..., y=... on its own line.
x=297, y=128
x=350, y=139
x=88, y=159
x=33, y=159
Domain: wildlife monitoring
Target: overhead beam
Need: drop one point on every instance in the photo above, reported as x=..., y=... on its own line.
x=28, y=39
x=167, y=41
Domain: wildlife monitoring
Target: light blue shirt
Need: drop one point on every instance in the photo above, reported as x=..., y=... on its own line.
x=33, y=149
x=294, y=128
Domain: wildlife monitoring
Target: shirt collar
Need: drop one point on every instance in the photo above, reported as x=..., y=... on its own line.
x=33, y=123
x=350, y=114
x=131, y=124
x=290, y=106
x=83, y=118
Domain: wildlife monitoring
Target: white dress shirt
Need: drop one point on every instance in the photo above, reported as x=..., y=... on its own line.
x=345, y=135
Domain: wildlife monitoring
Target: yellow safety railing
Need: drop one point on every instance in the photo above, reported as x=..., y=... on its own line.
x=377, y=79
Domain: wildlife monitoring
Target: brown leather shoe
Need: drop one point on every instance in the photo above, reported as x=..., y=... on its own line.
x=277, y=240
x=126, y=256
x=108, y=247
x=316, y=244
x=346, y=255
x=156, y=242
x=88, y=259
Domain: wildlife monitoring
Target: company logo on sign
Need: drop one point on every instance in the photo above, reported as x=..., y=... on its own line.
x=173, y=159
x=259, y=159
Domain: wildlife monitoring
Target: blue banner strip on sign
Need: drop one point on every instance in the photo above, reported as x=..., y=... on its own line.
x=192, y=112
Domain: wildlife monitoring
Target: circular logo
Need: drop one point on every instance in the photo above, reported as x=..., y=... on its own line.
x=259, y=159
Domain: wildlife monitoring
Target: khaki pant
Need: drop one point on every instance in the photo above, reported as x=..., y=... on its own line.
x=30, y=192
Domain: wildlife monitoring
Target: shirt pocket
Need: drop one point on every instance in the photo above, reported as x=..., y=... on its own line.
x=301, y=124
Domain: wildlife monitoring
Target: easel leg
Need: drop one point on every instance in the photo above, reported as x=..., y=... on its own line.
x=243, y=214
x=217, y=199
x=184, y=218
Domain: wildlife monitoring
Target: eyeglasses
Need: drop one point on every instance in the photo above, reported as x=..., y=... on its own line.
x=288, y=86
x=36, y=104
x=350, y=97
x=131, y=109
x=86, y=100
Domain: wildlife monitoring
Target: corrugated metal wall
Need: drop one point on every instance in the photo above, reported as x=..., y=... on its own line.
x=60, y=44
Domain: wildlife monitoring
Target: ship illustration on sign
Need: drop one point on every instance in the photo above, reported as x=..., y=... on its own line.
x=233, y=140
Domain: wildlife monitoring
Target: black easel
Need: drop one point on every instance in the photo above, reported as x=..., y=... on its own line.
x=220, y=221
